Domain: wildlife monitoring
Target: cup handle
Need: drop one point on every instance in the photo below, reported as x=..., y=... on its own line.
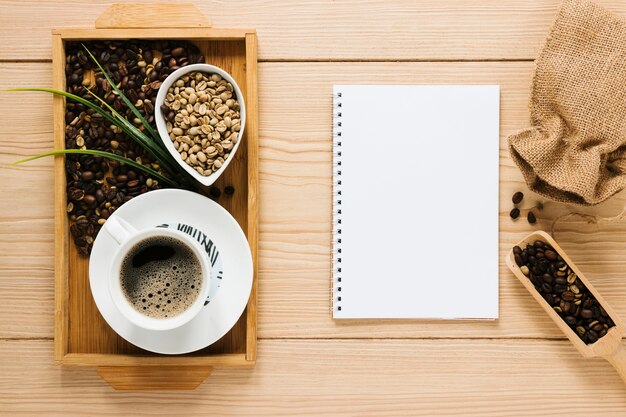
x=119, y=229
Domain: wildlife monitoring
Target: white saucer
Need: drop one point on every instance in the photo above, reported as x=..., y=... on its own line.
x=229, y=254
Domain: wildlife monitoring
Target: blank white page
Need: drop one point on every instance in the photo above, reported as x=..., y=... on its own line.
x=415, y=231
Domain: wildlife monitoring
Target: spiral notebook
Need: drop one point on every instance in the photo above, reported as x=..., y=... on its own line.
x=415, y=201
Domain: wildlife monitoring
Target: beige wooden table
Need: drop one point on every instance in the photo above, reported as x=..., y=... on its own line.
x=307, y=363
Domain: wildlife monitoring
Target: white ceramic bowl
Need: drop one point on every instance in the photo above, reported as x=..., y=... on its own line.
x=162, y=128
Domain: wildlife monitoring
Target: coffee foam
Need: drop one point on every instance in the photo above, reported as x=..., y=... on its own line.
x=162, y=288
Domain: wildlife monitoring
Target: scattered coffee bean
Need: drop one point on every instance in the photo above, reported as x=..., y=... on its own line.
x=514, y=213
x=559, y=285
x=518, y=197
x=229, y=190
x=96, y=187
x=531, y=218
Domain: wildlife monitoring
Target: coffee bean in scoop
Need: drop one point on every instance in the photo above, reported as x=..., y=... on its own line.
x=561, y=287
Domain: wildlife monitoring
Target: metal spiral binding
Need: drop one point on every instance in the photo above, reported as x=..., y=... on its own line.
x=336, y=235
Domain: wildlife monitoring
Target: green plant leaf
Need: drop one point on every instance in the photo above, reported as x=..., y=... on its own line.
x=71, y=96
x=109, y=155
x=164, y=157
x=172, y=167
x=120, y=121
x=130, y=105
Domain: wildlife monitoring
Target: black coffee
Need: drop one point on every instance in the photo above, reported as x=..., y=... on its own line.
x=161, y=277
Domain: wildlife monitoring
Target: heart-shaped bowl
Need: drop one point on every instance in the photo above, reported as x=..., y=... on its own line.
x=161, y=122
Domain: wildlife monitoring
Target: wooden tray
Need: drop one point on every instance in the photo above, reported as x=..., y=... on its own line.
x=82, y=337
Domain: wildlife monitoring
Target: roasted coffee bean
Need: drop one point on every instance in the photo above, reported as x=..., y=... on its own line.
x=76, y=194
x=215, y=192
x=592, y=336
x=176, y=52
x=570, y=320
x=514, y=213
x=517, y=197
x=596, y=312
x=531, y=217
x=75, y=230
x=110, y=195
x=597, y=327
x=563, y=290
x=100, y=195
x=132, y=184
x=89, y=199
x=565, y=306
x=550, y=255
x=131, y=63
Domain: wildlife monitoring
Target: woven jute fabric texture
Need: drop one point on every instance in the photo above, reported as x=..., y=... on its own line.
x=576, y=148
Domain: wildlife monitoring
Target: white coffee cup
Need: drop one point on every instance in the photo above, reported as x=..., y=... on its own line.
x=127, y=238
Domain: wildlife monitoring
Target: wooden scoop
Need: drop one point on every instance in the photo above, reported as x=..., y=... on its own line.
x=609, y=346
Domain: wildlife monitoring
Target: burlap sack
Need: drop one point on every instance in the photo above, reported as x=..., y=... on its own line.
x=576, y=148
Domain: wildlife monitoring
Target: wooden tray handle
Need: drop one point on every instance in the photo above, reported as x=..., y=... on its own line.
x=142, y=16
x=154, y=378
x=157, y=15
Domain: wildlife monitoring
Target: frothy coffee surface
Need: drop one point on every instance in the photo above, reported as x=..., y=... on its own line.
x=161, y=277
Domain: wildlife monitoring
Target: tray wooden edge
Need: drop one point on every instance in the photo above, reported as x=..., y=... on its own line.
x=253, y=188
x=61, y=319
x=595, y=349
x=155, y=33
x=61, y=338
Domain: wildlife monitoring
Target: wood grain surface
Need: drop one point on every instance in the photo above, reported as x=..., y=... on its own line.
x=308, y=364
x=326, y=29
x=373, y=377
